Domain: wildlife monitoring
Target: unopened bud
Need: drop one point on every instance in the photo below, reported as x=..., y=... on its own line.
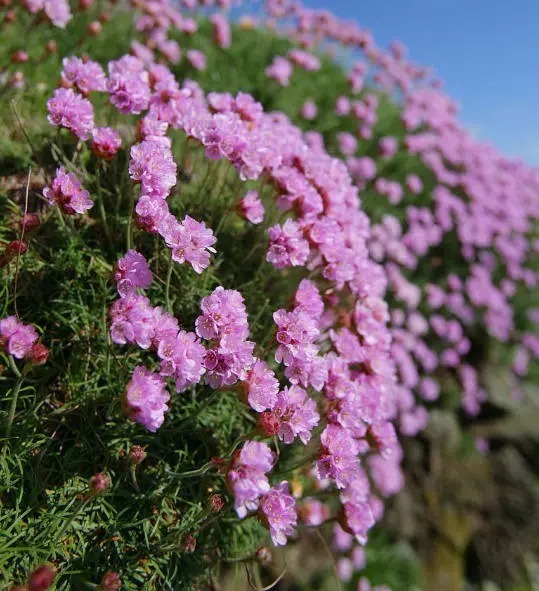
x=51, y=46
x=38, y=354
x=85, y=4
x=216, y=503
x=137, y=455
x=99, y=483
x=29, y=221
x=19, y=57
x=111, y=581
x=268, y=423
x=41, y=579
x=10, y=16
x=94, y=28
x=189, y=543
x=263, y=556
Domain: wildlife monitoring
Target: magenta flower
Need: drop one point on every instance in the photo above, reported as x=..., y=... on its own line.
x=296, y=414
x=66, y=191
x=16, y=338
x=278, y=512
x=224, y=317
x=70, y=110
x=133, y=321
x=287, y=247
x=182, y=358
x=338, y=456
x=132, y=272
x=152, y=165
x=247, y=475
x=58, y=12
x=146, y=398
x=309, y=110
x=106, y=141
x=261, y=387
x=128, y=85
x=197, y=59
x=190, y=241
x=251, y=208
x=280, y=70
x=87, y=75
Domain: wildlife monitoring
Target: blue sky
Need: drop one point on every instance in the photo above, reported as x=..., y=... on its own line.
x=485, y=51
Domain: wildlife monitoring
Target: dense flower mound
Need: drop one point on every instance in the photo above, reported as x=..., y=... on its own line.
x=466, y=212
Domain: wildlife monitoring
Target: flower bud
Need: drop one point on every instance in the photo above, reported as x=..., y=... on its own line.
x=19, y=57
x=268, y=423
x=10, y=16
x=94, y=28
x=263, y=556
x=137, y=455
x=85, y=4
x=51, y=46
x=99, y=483
x=41, y=579
x=29, y=221
x=38, y=354
x=189, y=543
x=111, y=581
x=216, y=503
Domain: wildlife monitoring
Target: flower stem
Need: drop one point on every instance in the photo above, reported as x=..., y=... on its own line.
x=14, y=397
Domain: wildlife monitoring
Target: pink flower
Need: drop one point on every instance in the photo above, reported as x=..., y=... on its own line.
x=17, y=338
x=280, y=70
x=132, y=271
x=197, y=59
x=106, y=142
x=297, y=415
x=287, y=247
x=224, y=316
x=278, y=512
x=152, y=165
x=70, y=110
x=87, y=76
x=66, y=191
x=191, y=241
x=182, y=356
x=128, y=85
x=338, y=456
x=309, y=110
x=146, y=398
x=58, y=12
x=261, y=387
x=251, y=208
x=247, y=476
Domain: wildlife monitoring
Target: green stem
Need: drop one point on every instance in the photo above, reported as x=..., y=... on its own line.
x=133, y=472
x=167, y=286
x=69, y=521
x=14, y=398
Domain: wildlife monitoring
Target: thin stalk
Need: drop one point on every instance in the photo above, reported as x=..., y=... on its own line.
x=167, y=286
x=15, y=396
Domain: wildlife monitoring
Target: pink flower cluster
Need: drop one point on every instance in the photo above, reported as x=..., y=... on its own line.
x=66, y=191
x=21, y=341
